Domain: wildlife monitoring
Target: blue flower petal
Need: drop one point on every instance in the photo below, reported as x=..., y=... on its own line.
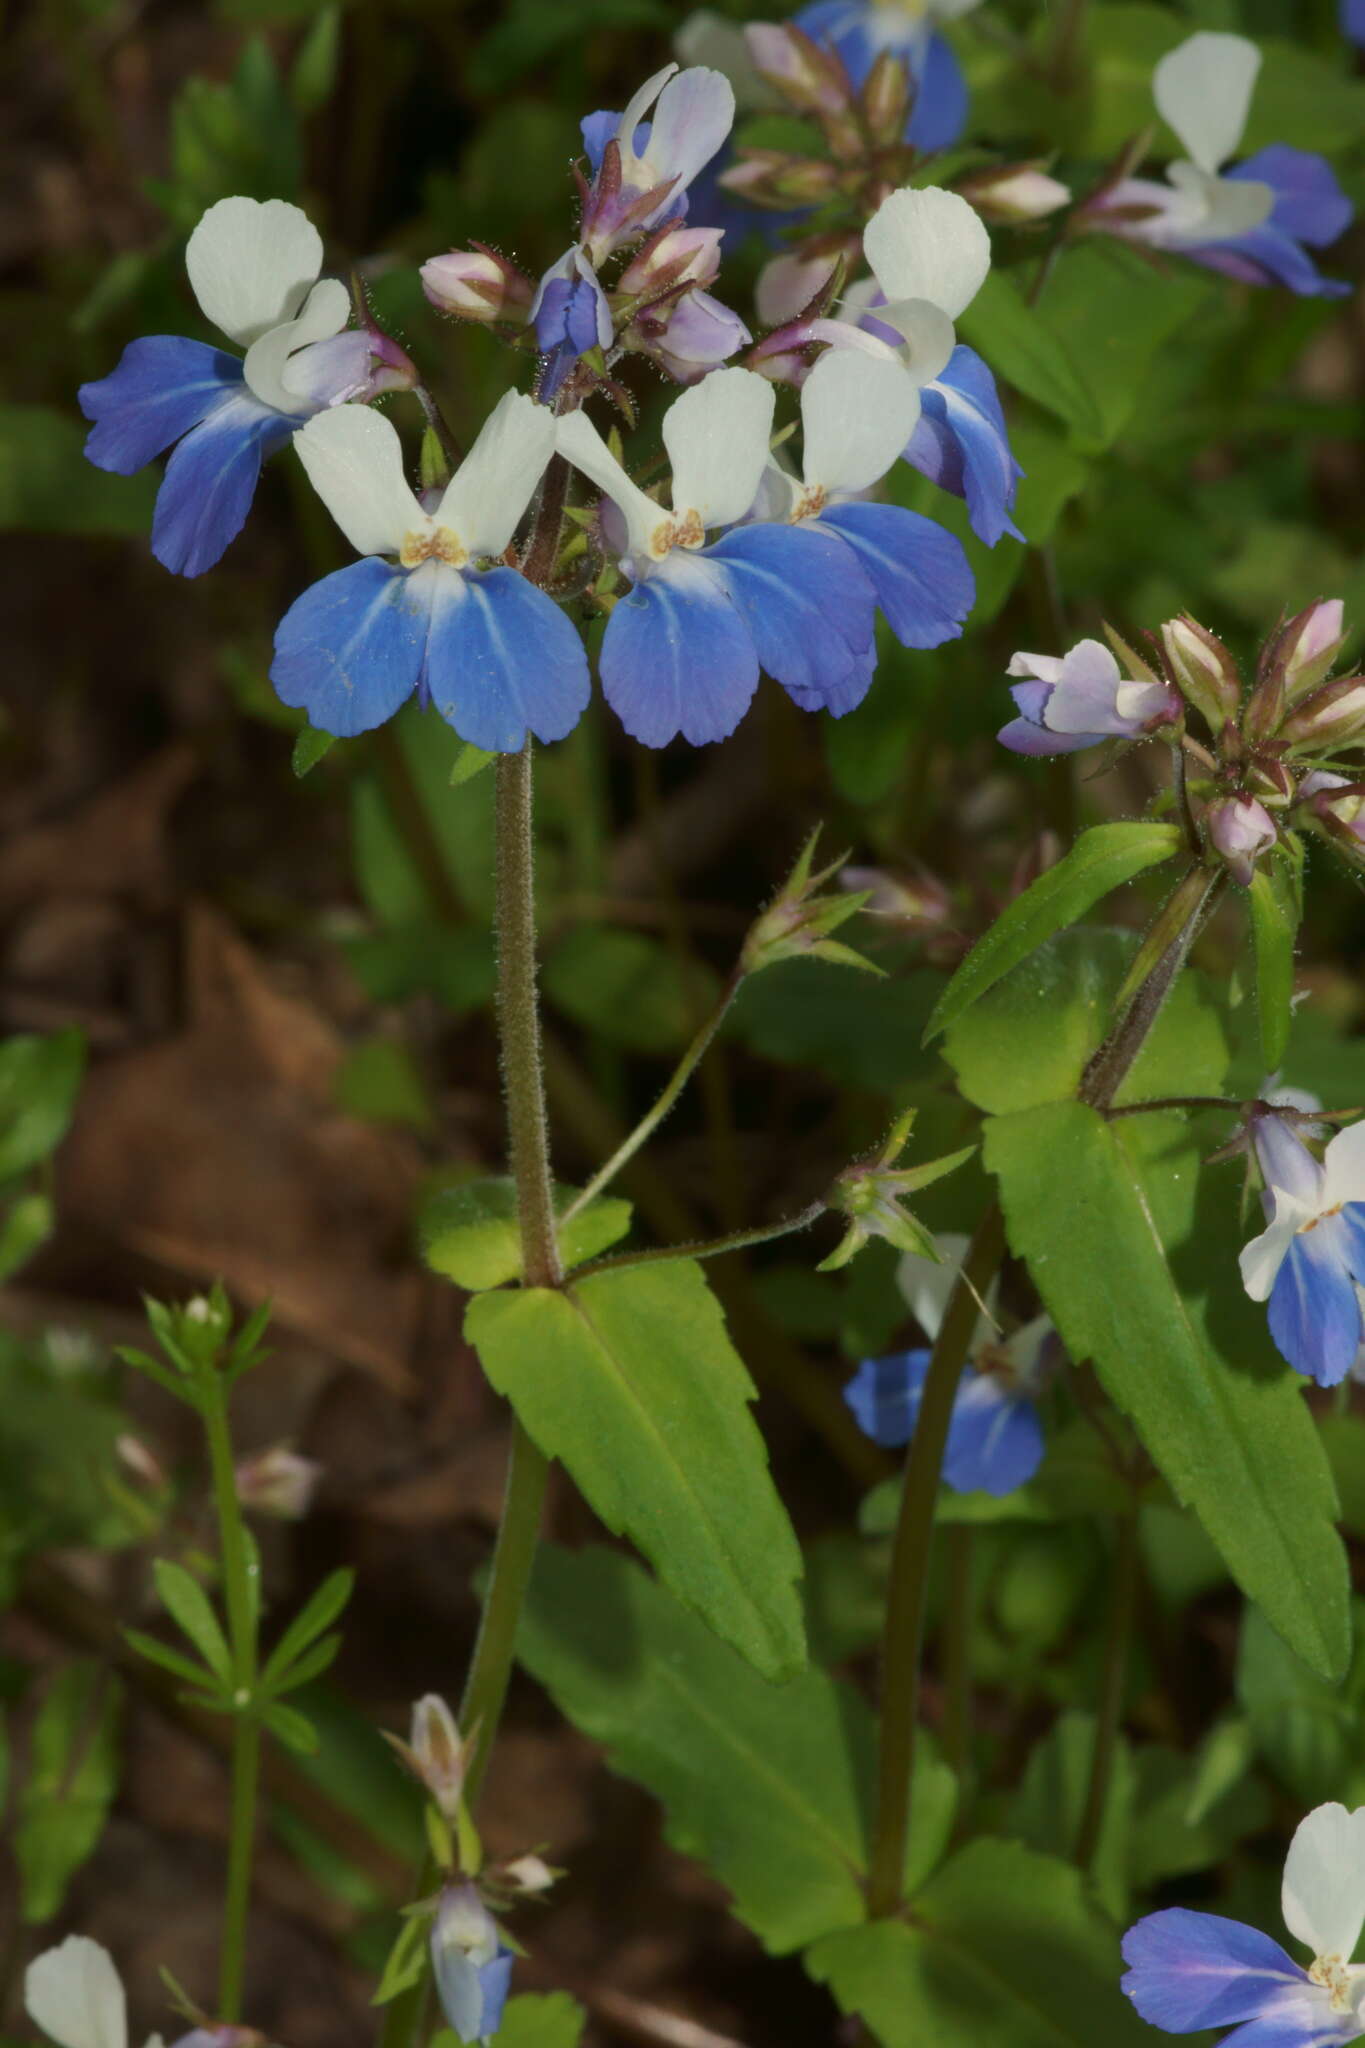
x=1300, y=2019
x=939, y=113
x=809, y=607
x=884, y=1396
x=1314, y=1310
x=845, y=27
x=502, y=659
x=163, y=386
x=1309, y=205
x=923, y=582
x=1191, y=1970
x=210, y=481
x=495, y=1981
x=597, y=131
x=1353, y=19
x=961, y=442
x=349, y=651
x=995, y=1440
x=677, y=656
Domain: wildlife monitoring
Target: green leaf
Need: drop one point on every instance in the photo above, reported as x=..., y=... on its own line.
x=46, y=486
x=469, y=762
x=407, y=1959
x=39, y=1080
x=308, y=1624
x=24, y=1226
x=471, y=1236
x=174, y=1661
x=1024, y=350
x=682, y=1715
x=309, y=747
x=292, y=1728
x=312, y=80
x=1307, y=1730
x=309, y=1666
x=630, y=1379
x=188, y=1605
x=1101, y=860
x=1005, y=1951
x=546, y=2020
x=1101, y=1211
x=70, y=1786
x=1274, y=929
x=1046, y=1811
x=629, y=988
x=1170, y=1837
x=529, y=34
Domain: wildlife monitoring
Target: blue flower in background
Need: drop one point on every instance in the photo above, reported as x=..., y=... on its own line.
x=494, y=654
x=471, y=1963
x=254, y=269
x=1255, y=222
x=859, y=31
x=1080, y=699
x=995, y=1439
x=1309, y=1259
x=1188, y=1971
x=1353, y=19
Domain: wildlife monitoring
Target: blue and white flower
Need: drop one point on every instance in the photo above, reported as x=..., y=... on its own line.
x=860, y=31
x=74, y=1993
x=1081, y=698
x=995, y=1439
x=1256, y=221
x=684, y=645
x=930, y=254
x=653, y=162
x=471, y=1963
x=254, y=268
x=1188, y=1970
x=445, y=617
x=1311, y=1255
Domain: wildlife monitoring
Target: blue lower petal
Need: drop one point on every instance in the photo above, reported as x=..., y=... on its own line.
x=503, y=659
x=995, y=1440
x=961, y=442
x=677, y=656
x=809, y=607
x=923, y=582
x=884, y=1396
x=163, y=386
x=939, y=113
x=1300, y=2020
x=1353, y=19
x=1310, y=205
x=1187, y=1970
x=1265, y=256
x=210, y=481
x=349, y=651
x=495, y=1981
x=1314, y=1311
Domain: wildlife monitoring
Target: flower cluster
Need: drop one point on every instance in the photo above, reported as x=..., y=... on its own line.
x=1309, y=1261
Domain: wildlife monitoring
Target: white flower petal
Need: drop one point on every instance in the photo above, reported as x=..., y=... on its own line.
x=324, y=313
x=1203, y=91
x=696, y=112
x=74, y=1994
x=929, y=336
x=717, y=435
x=354, y=461
x=856, y=416
x=1220, y=208
x=251, y=263
x=635, y=110
x=926, y=1286
x=1042, y=668
x=1323, y=1898
x=928, y=245
x=577, y=438
x=1261, y=1260
x=493, y=485
x=1343, y=1167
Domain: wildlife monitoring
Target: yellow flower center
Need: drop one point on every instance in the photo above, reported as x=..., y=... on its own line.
x=1335, y=1977
x=437, y=543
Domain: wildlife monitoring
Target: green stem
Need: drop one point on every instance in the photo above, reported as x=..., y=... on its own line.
x=711, y=1247
x=1114, y=1675
x=957, y=1655
x=649, y=1123
x=1185, y=913
x=912, y=1550
x=513, y=1555
x=240, y=1601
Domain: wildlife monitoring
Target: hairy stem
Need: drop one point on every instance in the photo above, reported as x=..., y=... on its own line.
x=1111, y=1065
x=240, y=1601
x=712, y=1248
x=911, y=1553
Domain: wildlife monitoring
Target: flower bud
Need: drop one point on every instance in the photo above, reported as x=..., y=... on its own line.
x=435, y=1753
x=777, y=179
x=919, y=903
x=278, y=1482
x=808, y=77
x=688, y=336
x=1270, y=780
x=471, y=1963
x=1304, y=649
x=789, y=285
x=1241, y=830
x=801, y=921
x=886, y=98
x=870, y=1194
x=1203, y=669
x=1332, y=716
x=1013, y=193
x=477, y=284
x=672, y=258
x=531, y=1874
x=1337, y=807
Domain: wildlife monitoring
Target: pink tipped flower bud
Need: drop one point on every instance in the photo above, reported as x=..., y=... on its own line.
x=918, y=902
x=1304, y=649
x=1241, y=830
x=807, y=76
x=886, y=98
x=1203, y=669
x=477, y=284
x=436, y=1754
x=1337, y=807
x=775, y=178
x=278, y=1482
x=674, y=258
x=1332, y=716
x=1014, y=193
x=788, y=285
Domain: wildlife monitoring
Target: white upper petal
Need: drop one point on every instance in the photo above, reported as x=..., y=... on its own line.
x=1343, y=1166
x=1323, y=1897
x=577, y=438
x=354, y=461
x=696, y=112
x=857, y=413
x=323, y=314
x=493, y=485
x=1219, y=208
x=1203, y=91
x=717, y=437
x=928, y=333
x=251, y=263
x=1043, y=668
x=1261, y=1260
x=926, y=1287
x=928, y=244
x=74, y=1994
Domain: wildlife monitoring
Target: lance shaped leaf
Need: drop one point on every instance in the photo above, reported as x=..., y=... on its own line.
x=628, y=1376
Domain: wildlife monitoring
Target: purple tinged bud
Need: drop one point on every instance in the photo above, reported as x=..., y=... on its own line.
x=1203, y=669
x=808, y=77
x=696, y=334
x=1305, y=649
x=1337, y=807
x=477, y=284
x=1332, y=716
x=1241, y=830
x=886, y=99
x=1014, y=193
x=777, y=179
x=788, y=284
x=278, y=1482
x=917, y=902
x=673, y=258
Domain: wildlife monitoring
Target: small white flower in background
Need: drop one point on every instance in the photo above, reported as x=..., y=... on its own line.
x=74, y=1993
x=278, y=1482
